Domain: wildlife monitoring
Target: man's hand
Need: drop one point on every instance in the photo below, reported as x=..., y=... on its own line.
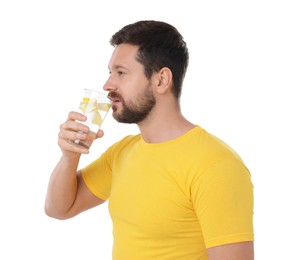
x=72, y=130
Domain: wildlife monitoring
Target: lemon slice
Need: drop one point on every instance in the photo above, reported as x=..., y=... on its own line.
x=103, y=106
x=88, y=105
x=97, y=119
x=86, y=99
x=83, y=106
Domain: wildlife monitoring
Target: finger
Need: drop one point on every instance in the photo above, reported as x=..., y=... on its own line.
x=72, y=135
x=71, y=149
x=75, y=126
x=73, y=115
x=100, y=133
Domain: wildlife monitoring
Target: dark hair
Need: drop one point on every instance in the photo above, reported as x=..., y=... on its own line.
x=160, y=45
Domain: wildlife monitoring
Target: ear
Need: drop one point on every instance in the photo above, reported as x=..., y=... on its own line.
x=164, y=80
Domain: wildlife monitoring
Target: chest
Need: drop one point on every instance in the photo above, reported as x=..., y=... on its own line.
x=151, y=195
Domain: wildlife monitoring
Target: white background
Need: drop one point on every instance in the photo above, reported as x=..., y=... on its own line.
x=245, y=84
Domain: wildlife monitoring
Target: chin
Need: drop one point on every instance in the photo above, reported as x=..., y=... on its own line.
x=117, y=116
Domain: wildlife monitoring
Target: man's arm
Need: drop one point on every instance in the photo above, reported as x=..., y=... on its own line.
x=235, y=251
x=67, y=194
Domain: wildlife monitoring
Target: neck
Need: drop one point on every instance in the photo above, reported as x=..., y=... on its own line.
x=163, y=124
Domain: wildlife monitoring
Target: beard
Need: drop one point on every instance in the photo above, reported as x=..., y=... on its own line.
x=135, y=111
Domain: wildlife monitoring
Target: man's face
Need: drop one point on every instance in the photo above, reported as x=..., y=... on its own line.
x=131, y=92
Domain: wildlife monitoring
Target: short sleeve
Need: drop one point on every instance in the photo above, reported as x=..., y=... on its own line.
x=223, y=201
x=97, y=176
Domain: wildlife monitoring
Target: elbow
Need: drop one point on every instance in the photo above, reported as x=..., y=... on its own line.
x=55, y=214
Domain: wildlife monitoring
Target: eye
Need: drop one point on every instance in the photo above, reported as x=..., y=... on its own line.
x=120, y=73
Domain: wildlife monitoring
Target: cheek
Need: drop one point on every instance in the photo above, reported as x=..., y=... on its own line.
x=132, y=85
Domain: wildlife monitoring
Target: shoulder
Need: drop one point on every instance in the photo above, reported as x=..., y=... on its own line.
x=210, y=147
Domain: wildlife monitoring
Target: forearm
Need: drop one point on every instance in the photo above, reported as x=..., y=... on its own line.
x=62, y=188
x=237, y=251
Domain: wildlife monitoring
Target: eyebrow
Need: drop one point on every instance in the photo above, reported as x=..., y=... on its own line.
x=116, y=67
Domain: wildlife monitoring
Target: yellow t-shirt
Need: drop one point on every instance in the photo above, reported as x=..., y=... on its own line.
x=175, y=199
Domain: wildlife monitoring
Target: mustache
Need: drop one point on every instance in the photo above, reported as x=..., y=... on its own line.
x=114, y=95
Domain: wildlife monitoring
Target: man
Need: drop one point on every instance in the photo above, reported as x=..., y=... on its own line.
x=175, y=191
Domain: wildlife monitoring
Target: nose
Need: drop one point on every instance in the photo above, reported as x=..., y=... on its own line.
x=109, y=85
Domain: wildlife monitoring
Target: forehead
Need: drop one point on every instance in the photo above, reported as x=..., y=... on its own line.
x=124, y=55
